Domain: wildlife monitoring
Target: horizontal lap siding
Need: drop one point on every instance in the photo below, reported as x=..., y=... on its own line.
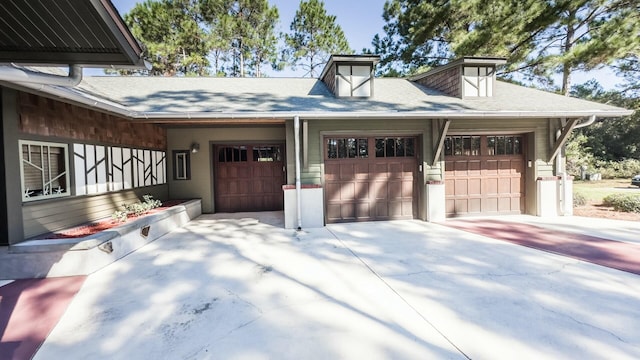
x=59, y=214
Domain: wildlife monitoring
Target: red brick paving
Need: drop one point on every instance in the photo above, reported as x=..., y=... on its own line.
x=29, y=309
x=610, y=253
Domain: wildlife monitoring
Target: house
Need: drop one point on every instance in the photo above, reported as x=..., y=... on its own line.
x=348, y=146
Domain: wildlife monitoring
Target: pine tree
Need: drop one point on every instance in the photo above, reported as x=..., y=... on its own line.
x=314, y=37
x=175, y=42
x=539, y=38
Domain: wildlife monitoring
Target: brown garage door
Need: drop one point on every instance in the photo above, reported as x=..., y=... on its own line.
x=370, y=178
x=249, y=178
x=484, y=175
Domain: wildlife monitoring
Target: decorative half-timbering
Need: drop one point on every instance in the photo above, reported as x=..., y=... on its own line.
x=350, y=75
x=100, y=169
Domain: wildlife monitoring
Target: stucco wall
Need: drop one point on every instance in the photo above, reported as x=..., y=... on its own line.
x=201, y=183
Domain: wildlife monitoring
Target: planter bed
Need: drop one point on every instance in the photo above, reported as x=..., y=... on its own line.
x=64, y=255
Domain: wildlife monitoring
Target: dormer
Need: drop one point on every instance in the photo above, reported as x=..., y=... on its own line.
x=467, y=77
x=350, y=76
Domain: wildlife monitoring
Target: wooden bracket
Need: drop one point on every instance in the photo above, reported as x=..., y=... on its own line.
x=442, y=133
x=562, y=139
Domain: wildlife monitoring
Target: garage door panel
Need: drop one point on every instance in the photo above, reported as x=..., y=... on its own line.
x=363, y=211
x=490, y=186
x=377, y=186
x=461, y=186
x=474, y=187
x=484, y=180
x=243, y=183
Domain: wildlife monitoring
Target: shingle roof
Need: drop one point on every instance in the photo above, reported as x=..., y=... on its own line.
x=219, y=96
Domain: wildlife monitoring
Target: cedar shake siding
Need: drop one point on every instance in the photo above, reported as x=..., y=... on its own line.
x=447, y=81
x=47, y=117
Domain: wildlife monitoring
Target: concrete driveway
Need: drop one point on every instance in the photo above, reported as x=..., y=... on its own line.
x=244, y=289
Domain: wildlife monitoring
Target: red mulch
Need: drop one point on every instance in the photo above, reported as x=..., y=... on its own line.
x=98, y=226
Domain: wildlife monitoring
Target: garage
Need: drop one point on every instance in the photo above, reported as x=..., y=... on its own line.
x=249, y=177
x=370, y=178
x=484, y=175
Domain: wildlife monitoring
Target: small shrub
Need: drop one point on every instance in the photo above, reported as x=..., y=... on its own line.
x=136, y=209
x=579, y=199
x=623, y=202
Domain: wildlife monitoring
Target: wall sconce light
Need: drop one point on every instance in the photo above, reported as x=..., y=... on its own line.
x=195, y=147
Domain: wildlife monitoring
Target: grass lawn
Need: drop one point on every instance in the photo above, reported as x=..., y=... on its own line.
x=595, y=191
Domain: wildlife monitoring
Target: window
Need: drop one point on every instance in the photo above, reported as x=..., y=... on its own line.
x=266, y=153
x=44, y=170
x=462, y=146
x=347, y=148
x=353, y=80
x=395, y=147
x=232, y=154
x=478, y=81
x=504, y=145
x=181, y=165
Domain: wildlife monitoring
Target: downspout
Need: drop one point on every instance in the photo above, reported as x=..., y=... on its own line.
x=296, y=141
x=15, y=74
x=561, y=171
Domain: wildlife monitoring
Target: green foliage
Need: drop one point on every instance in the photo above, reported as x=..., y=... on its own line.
x=136, y=209
x=539, y=38
x=202, y=37
x=174, y=39
x=579, y=199
x=623, y=202
x=314, y=36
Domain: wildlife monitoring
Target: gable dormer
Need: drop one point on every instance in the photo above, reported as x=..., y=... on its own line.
x=467, y=77
x=350, y=75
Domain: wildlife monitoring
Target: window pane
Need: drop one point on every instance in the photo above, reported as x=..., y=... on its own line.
x=509, y=145
x=500, y=145
x=332, y=148
x=351, y=148
x=44, y=172
x=399, y=147
x=475, y=145
x=363, y=148
x=517, y=145
x=342, y=148
x=410, y=148
x=448, y=146
x=466, y=145
x=390, y=148
x=491, y=145
x=457, y=146
x=379, y=147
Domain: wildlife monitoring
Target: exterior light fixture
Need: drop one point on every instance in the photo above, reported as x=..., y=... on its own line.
x=195, y=147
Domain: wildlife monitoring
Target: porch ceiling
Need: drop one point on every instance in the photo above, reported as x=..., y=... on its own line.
x=80, y=32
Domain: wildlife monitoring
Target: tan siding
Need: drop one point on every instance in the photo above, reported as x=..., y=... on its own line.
x=201, y=183
x=47, y=216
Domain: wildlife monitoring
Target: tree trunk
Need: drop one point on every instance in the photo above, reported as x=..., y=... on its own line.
x=568, y=44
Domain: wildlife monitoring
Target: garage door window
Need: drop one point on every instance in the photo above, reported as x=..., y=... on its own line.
x=347, y=148
x=395, y=147
x=232, y=154
x=504, y=145
x=462, y=146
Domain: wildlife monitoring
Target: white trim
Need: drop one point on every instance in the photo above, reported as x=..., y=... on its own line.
x=66, y=191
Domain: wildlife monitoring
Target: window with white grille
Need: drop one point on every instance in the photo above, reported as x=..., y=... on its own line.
x=44, y=170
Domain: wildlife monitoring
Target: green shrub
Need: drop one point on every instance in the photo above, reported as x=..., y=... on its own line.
x=136, y=209
x=623, y=202
x=579, y=199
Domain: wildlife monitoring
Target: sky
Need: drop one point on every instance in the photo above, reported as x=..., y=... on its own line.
x=361, y=20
